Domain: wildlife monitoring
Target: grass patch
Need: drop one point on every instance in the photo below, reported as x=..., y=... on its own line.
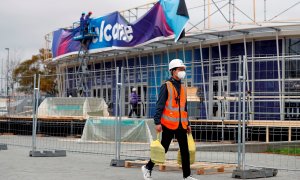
x=292, y=151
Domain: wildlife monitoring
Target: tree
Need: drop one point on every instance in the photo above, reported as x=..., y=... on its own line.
x=24, y=73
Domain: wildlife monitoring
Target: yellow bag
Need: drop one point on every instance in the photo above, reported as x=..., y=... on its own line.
x=157, y=151
x=192, y=150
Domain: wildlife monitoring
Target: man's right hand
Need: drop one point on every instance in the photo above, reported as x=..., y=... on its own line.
x=158, y=128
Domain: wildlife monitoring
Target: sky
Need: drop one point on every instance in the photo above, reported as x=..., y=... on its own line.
x=24, y=23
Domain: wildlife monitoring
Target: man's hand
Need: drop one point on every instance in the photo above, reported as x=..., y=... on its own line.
x=189, y=129
x=158, y=128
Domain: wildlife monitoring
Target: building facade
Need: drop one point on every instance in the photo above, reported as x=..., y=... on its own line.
x=215, y=63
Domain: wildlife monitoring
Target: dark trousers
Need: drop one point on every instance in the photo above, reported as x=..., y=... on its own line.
x=180, y=134
x=133, y=109
x=81, y=30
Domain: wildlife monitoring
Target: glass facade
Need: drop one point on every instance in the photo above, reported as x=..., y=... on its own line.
x=215, y=75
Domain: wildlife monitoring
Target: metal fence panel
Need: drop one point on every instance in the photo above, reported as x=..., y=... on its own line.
x=74, y=109
x=16, y=113
x=220, y=96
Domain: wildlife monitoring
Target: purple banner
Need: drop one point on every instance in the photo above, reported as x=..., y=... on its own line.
x=114, y=32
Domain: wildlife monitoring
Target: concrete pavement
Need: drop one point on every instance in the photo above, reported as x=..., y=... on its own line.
x=15, y=164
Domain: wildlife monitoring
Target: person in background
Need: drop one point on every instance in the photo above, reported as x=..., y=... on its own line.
x=87, y=21
x=82, y=22
x=133, y=103
x=171, y=118
x=87, y=30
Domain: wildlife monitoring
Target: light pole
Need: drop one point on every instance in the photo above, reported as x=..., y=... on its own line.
x=7, y=67
x=2, y=74
x=7, y=83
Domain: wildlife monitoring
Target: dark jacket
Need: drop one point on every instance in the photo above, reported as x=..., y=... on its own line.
x=163, y=97
x=133, y=98
x=87, y=20
x=82, y=22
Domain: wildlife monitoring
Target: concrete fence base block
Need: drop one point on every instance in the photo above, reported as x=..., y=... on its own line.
x=117, y=163
x=56, y=153
x=254, y=173
x=3, y=147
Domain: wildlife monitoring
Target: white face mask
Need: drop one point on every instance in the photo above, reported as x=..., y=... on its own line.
x=181, y=74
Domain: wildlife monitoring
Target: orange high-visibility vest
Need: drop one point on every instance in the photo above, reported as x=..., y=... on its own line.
x=174, y=112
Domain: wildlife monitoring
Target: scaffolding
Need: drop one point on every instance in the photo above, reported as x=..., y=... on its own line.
x=85, y=37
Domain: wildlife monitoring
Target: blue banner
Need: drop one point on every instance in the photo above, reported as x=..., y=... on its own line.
x=164, y=19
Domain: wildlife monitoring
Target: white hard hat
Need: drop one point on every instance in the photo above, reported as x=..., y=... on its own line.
x=133, y=89
x=176, y=63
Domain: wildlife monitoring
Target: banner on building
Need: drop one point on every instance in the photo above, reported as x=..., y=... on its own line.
x=166, y=18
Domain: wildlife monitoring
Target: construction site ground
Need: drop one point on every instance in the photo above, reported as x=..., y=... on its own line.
x=16, y=164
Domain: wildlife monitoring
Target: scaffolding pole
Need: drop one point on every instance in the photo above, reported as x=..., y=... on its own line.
x=105, y=80
x=203, y=80
x=283, y=76
x=253, y=78
x=279, y=78
x=247, y=75
x=168, y=54
x=229, y=14
x=128, y=75
x=142, y=91
x=208, y=14
x=223, y=105
x=183, y=55
x=244, y=114
x=233, y=14
x=155, y=80
x=239, y=115
x=254, y=11
x=265, y=10
x=204, y=15
x=221, y=65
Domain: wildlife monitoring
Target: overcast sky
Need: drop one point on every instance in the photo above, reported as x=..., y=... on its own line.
x=24, y=23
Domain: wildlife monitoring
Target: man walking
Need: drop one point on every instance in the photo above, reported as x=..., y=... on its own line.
x=171, y=118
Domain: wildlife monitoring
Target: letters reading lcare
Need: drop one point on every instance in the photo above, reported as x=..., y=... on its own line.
x=115, y=32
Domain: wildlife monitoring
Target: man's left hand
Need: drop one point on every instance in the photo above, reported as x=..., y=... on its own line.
x=189, y=129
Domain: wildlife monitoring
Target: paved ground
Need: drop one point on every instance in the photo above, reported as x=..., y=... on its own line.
x=15, y=164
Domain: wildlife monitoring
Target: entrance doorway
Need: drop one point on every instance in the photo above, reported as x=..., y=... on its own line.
x=142, y=99
x=219, y=90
